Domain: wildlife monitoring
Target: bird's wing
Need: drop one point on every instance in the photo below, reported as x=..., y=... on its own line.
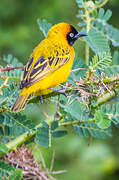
x=42, y=67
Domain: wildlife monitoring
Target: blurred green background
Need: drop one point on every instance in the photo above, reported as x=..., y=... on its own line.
x=19, y=34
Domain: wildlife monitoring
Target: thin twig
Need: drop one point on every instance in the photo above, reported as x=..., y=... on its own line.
x=90, y=140
x=42, y=159
x=78, y=69
x=11, y=68
x=59, y=172
x=102, y=4
x=52, y=161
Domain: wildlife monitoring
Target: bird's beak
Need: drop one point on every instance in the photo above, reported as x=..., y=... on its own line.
x=80, y=34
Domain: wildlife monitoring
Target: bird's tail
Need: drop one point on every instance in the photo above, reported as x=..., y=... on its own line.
x=21, y=102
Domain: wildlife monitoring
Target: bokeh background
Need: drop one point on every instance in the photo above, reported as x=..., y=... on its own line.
x=19, y=34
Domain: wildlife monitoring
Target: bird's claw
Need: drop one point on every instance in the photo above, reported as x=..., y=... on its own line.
x=61, y=91
x=41, y=100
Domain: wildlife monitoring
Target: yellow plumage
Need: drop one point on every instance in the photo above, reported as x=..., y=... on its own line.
x=49, y=65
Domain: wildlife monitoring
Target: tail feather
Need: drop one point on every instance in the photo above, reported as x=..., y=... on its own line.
x=20, y=102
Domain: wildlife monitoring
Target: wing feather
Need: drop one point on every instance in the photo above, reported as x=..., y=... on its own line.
x=42, y=67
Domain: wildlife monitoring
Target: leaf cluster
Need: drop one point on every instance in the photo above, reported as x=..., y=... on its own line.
x=94, y=20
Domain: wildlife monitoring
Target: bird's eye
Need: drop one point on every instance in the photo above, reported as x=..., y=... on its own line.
x=71, y=35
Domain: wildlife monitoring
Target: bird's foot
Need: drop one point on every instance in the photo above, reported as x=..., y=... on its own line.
x=61, y=91
x=41, y=100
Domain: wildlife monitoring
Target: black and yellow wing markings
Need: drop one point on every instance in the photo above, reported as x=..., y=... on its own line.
x=37, y=71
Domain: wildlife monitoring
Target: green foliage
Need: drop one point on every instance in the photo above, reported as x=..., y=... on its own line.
x=100, y=61
x=3, y=148
x=110, y=32
x=59, y=133
x=42, y=137
x=94, y=21
x=13, y=125
x=112, y=111
x=115, y=57
x=97, y=41
x=13, y=62
x=112, y=70
x=102, y=120
x=44, y=26
x=45, y=133
x=8, y=171
x=87, y=130
x=77, y=74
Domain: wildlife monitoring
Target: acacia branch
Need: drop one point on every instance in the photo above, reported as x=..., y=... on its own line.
x=100, y=100
x=28, y=135
x=12, y=145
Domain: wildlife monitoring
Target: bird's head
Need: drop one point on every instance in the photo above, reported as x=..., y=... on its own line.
x=67, y=31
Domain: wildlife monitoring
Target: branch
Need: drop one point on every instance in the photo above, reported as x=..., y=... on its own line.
x=11, y=68
x=106, y=97
x=12, y=145
x=78, y=69
x=101, y=5
x=28, y=135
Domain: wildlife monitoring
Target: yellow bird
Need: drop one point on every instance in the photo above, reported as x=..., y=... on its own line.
x=49, y=65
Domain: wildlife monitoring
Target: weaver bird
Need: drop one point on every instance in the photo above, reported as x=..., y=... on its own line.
x=49, y=65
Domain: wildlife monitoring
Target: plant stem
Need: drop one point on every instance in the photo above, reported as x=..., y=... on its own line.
x=20, y=140
x=11, y=68
x=12, y=145
x=106, y=97
x=102, y=4
x=88, y=21
x=74, y=122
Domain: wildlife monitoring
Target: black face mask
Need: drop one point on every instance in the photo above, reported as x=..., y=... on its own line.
x=73, y=35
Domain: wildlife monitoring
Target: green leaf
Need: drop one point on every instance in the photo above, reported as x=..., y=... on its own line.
x=15, y=124
x=91, y=129
x=42, y=137
x=116, y=58
x=101, y=13
x=100, y=61
x=74, y=109
x=3, y=100
x=3, y=149
x=112, y=70
x=7, y=170
x=59, y=133
x=44, y=26
x=102, y=120
x=111, y=33
x=112, y=110
x=107, y=15
x=77, y=74
x=97, y=41
x=45, y=124
x=17, y=175
x=54, y=125
x=80, y=3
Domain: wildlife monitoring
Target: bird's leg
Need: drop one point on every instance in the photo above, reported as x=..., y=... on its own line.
x=61, y=91
x=41, y=99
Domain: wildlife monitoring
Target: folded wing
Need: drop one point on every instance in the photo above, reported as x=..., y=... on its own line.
x=42, y=67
